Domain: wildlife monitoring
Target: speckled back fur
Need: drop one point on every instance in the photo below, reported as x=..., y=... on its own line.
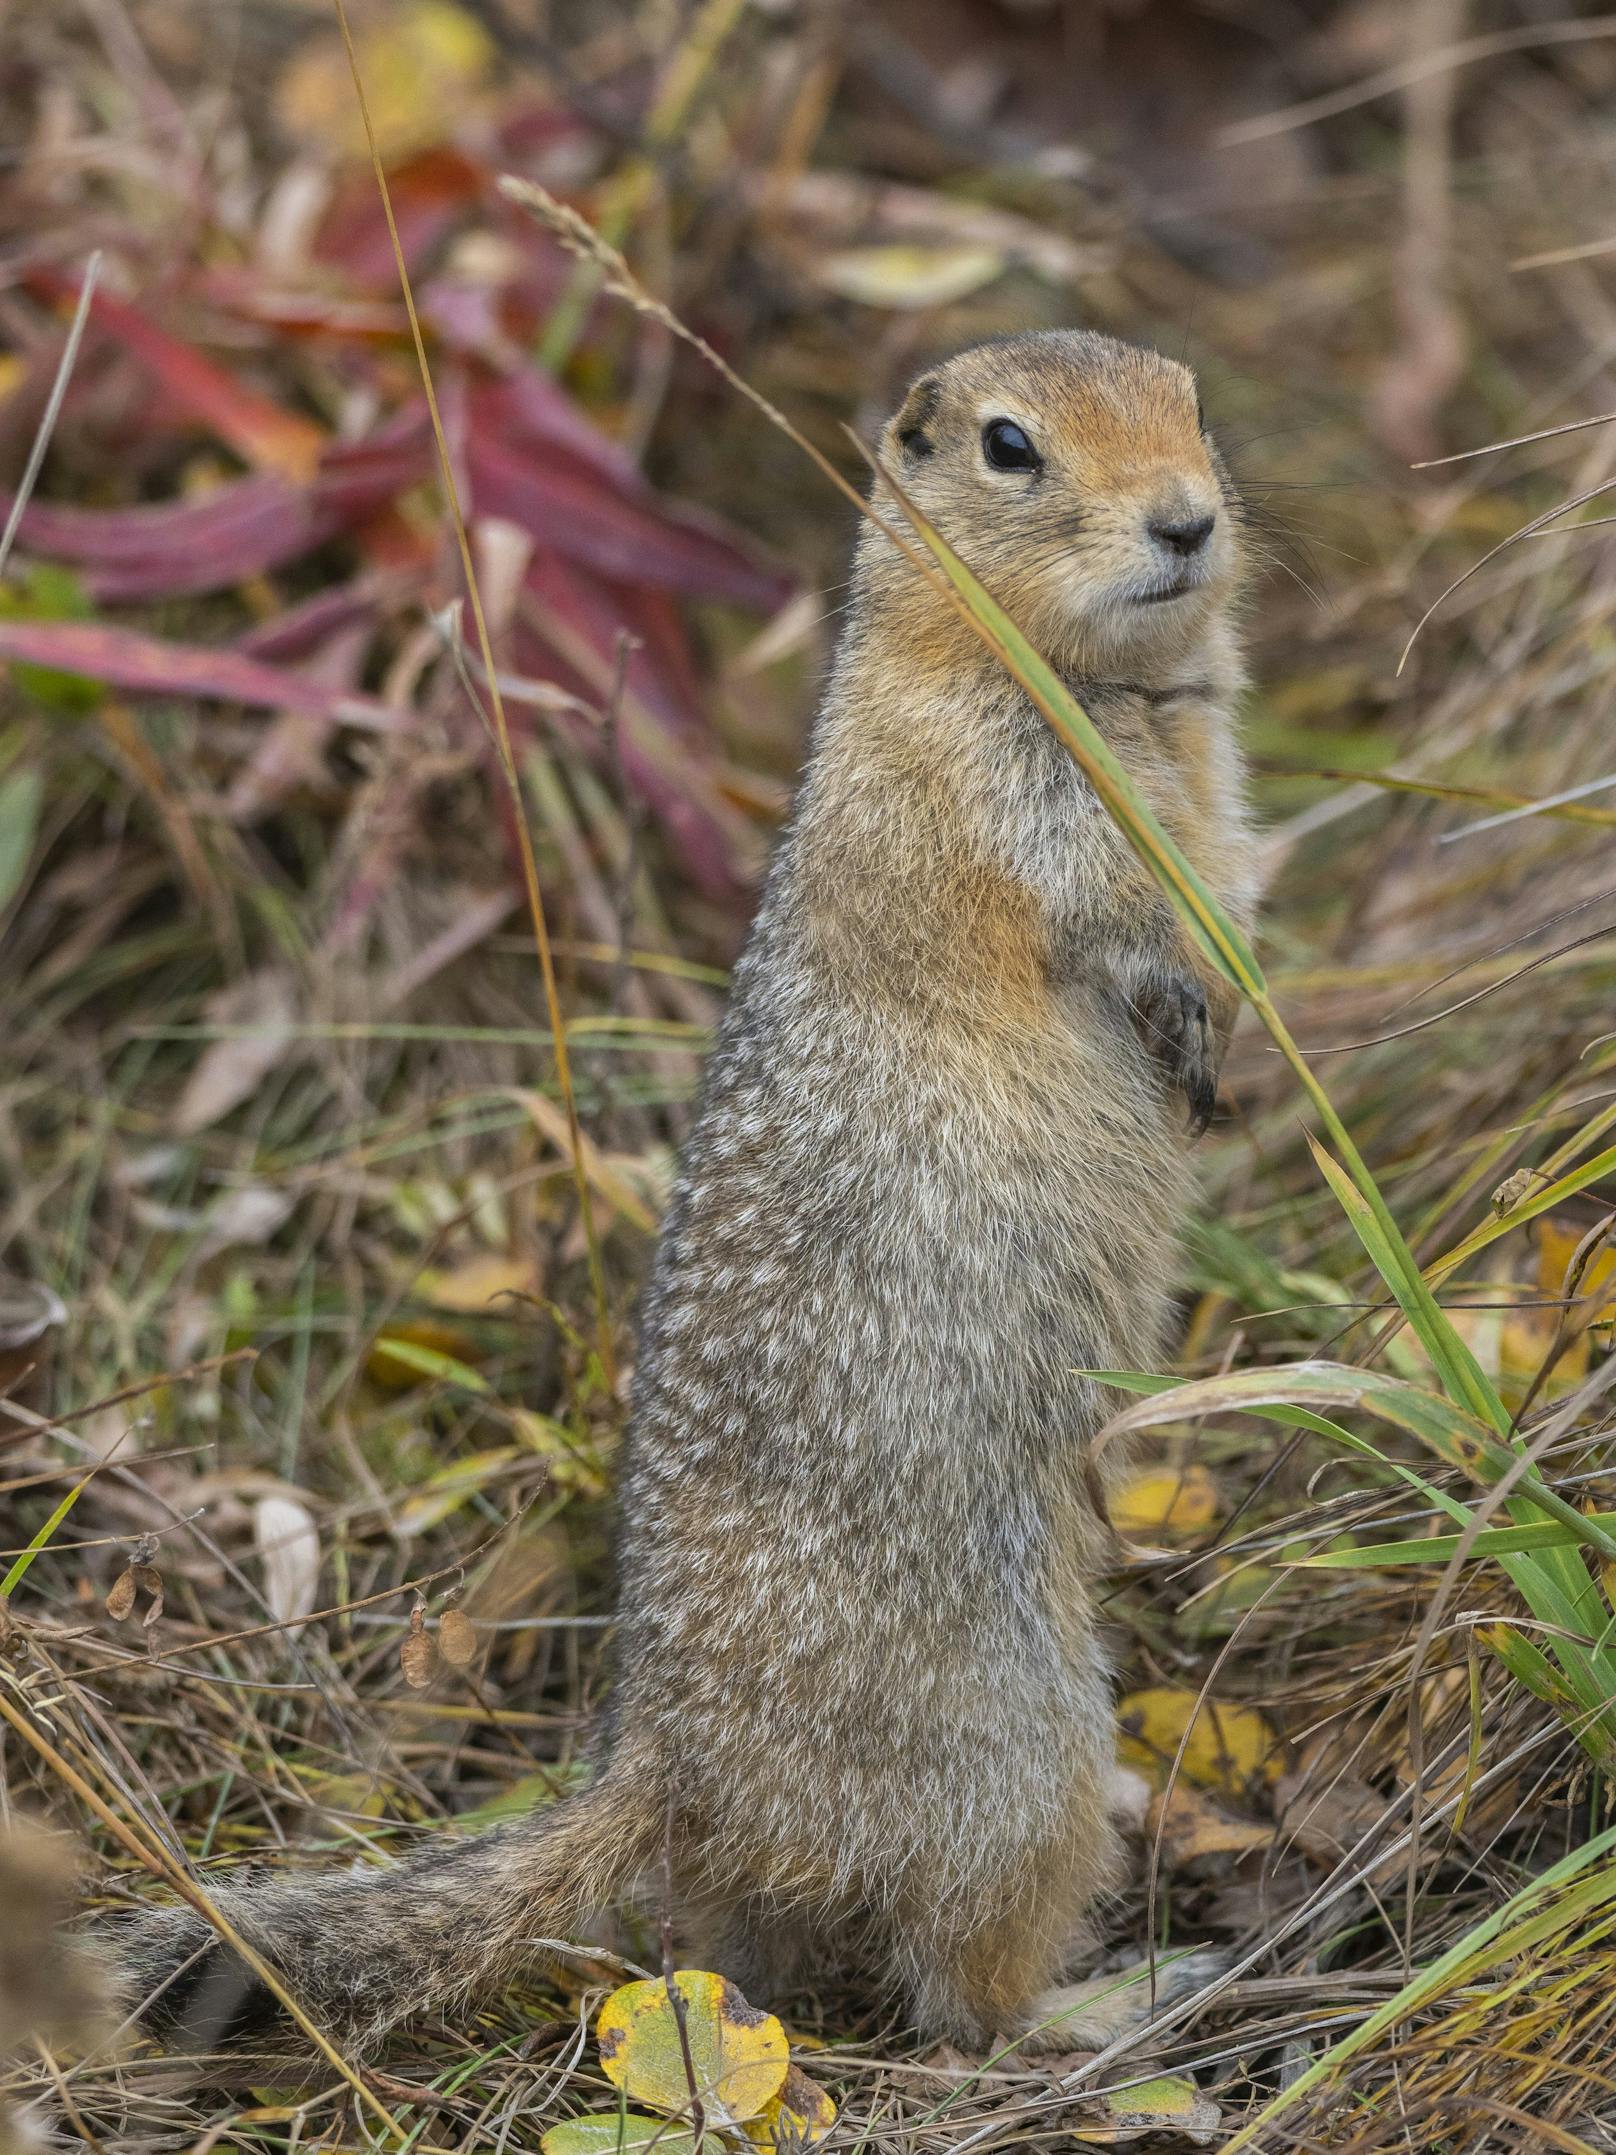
x=938, y=1171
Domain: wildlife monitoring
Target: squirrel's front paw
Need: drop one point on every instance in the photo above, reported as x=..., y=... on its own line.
x=1176, y=1026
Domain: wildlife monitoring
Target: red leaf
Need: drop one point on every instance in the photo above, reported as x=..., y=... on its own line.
x=260, y=431
x=567, y=507
x=297, y=630
x=244, y=528
x=146, y=664
x=176, y=549
x=359, y=476
x=429, y=192
x=529, y=407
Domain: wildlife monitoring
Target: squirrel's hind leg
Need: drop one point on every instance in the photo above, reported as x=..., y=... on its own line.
x=974, y=1973
x=974, y=1984
x=767, y=1950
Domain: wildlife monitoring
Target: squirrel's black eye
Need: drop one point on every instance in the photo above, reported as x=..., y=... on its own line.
x=1200, y=415
x=1007, y=448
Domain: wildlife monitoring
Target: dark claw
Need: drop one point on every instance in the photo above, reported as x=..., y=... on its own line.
x=1176, y=1027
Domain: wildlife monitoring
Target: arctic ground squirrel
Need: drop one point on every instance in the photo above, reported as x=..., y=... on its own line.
x=861, y=1711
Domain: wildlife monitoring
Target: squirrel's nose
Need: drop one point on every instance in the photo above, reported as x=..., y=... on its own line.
x=1186, y=535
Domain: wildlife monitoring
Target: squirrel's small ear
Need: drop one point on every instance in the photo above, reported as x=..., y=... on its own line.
x=915, y=415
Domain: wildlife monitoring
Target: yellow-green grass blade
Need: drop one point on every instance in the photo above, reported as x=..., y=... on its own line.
x=1453, y=1436
x=1291, y=1416
x=1552, y=1580
x=1218, y=937
x=1540, y=1201
x=1461, y=1373
x=1441, y=1548
x=19, y=1570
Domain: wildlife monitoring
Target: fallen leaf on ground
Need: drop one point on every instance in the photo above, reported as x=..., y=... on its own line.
x=1170, y=1502
x=739, y=2055
x=420, y=63
x=1229, y=1746
x=256, y=1015
x=908, y=276
x=448, y=1488
x=1192, y=1826
x=798, y=2117
x=481, y=1285
x=625, y=2132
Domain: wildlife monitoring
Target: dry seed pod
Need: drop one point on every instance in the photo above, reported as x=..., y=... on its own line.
x=417, y=1656
x=121, y=1595
x=150, y=1579
x=457, y=1639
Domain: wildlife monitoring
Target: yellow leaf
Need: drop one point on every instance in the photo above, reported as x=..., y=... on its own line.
x=739, y=2055
x=905, y=275
x=361, y=1795
x=799, y=2116
x=422, y=1346
x=1170, y=1503
x=420, y=62
x=1191, y=1827
x=1556, y=1246
x=1514, y=1342
x=1229, y=1746
x=481, y=1286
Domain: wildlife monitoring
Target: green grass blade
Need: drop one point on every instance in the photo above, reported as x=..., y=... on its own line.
x=1544, y=1200
x=1391, y=1256
x=1442, y=1548
x=19, y=1570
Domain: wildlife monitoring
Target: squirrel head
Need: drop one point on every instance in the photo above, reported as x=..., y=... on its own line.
x=1076, y=477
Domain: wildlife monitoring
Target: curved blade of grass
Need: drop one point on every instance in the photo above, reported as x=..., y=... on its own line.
x=1223, y=943
x=1535, y=1672
x=1290, y=1416
x=1456, y=1438
x=1551, y=1577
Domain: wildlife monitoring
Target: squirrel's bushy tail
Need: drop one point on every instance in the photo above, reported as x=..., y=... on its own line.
x=360, y=1950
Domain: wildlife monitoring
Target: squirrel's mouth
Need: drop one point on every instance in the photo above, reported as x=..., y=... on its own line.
x=1182, y=588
